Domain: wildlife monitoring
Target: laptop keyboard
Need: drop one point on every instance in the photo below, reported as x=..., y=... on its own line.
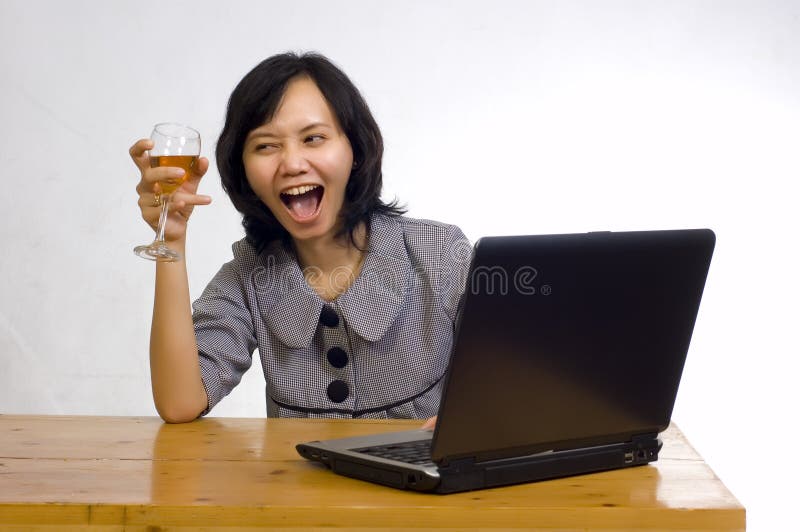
x=410, y=452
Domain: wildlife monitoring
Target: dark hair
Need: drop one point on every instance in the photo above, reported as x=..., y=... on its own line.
x=254, y=101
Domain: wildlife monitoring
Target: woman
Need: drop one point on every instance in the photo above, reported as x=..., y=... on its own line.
x=350, y=304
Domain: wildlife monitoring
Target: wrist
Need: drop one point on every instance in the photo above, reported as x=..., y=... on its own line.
x=178, y=245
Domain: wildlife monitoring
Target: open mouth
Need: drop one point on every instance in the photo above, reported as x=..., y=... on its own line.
x=303, y=202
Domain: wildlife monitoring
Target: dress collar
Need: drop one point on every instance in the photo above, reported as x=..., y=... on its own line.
x=369, y=306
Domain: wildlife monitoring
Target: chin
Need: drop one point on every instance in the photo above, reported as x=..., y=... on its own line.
x=312, y=231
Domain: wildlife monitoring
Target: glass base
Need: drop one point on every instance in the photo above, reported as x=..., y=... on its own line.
x=158, y=252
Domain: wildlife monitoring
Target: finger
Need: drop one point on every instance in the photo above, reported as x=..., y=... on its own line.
x=151, y=199
x=182, y=209
x=198, y=169
x=182, y=199
x=146, y=187
x=138, y=153
x=170, y=174
x=147, y=201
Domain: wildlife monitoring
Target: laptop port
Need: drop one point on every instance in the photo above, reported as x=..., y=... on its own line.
x=641, y=454
x=629, y=457
x=412, y=480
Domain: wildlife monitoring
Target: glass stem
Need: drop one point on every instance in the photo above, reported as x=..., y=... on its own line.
x=162, y=220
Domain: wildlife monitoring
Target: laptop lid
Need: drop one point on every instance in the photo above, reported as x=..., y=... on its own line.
x=567, y=341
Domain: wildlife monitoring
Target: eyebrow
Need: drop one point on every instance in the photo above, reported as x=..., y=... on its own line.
x=255, y=134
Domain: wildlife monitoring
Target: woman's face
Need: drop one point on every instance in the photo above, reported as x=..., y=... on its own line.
x=299, y=163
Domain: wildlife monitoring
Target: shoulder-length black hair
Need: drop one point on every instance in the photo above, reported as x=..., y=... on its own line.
x=254, y=101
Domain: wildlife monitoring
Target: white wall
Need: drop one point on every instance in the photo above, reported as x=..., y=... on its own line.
x=502, y=117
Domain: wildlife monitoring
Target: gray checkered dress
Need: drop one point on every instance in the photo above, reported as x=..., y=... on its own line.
x=379, y=350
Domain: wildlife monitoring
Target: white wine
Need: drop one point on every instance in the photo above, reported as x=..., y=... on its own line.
x=179, y=161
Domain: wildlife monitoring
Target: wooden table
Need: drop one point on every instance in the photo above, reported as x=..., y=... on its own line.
x=139, y=474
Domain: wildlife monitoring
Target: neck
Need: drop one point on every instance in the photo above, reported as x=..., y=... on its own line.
x=331, y=265
x=328, y=253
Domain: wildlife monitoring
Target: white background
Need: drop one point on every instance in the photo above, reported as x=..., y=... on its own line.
x=502, y=117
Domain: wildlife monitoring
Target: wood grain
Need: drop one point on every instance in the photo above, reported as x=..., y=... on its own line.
x=105, y=473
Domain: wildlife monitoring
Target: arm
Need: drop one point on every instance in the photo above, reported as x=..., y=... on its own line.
x=177, y=386
x=178, y=390
x=455, y=261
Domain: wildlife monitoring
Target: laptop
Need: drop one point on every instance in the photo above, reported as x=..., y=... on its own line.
x=567, y=356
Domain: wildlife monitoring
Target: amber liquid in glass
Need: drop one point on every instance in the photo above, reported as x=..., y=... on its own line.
x=179, y=161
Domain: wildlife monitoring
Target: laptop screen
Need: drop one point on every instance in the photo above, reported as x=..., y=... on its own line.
x=567, y=341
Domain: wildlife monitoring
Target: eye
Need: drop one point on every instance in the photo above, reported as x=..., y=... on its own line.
x=264, y=147
x=314, y=139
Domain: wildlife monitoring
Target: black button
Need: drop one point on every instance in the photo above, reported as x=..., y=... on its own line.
x=337, y=357
x=328, y=316
x=338, y=391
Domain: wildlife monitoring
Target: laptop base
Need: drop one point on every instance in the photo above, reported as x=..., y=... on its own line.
x=466, y=475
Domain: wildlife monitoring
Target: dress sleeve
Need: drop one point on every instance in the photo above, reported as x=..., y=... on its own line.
x=223, y=326
x=454, y=269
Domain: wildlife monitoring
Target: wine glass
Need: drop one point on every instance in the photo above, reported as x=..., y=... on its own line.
x=173, y=145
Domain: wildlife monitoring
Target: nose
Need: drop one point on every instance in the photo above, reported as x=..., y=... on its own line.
x=293, y=160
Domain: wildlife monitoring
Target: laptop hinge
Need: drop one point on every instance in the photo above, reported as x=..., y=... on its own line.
x=650, y=436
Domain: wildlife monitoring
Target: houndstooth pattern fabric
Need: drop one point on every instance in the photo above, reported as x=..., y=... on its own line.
x=395, y=326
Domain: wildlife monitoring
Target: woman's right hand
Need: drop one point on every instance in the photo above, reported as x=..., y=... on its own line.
x=183, y=200
x=430, y=423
